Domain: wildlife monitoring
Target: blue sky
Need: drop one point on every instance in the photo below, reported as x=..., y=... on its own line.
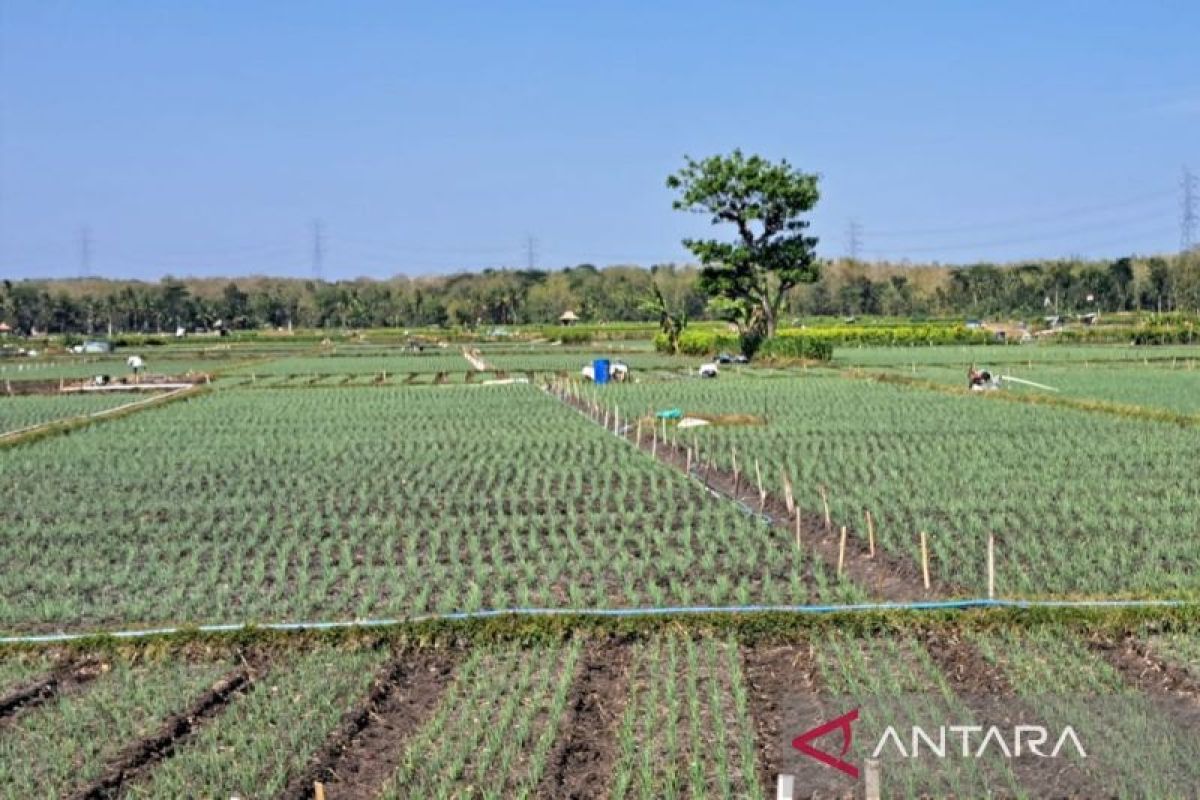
x=204, y=138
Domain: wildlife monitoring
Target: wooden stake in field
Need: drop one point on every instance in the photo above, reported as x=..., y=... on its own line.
x=639, y=434
x=617, y=419
x=870, y=535
x=991, y=566
x=825, y=504
x=798, y=545
x=318, y=791
x=605, y=426
x=688, y=469
x=737, y=476
x=762, y=493
x=841, y=552
x=788, y=500
x=925, y=559
x=872, y=780
x=654, y=440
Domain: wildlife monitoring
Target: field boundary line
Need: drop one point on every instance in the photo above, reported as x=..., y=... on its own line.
x=965, y=604
x=9, y=438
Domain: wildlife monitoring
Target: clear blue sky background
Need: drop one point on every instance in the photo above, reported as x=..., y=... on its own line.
x=204, y=137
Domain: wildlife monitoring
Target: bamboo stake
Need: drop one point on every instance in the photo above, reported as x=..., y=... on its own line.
x=318, y=791
x=616, y=419
x=788, y=500
x=991, y=566
x=825, y=503
x=925, y=559
x=841, y=552
x=654, y=441
x=736, y=474
x=762, y=493
x=639, y=434
x=870, y=535
x=688, y=469
x=798, y=545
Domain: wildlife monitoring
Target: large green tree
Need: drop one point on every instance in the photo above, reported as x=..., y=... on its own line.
x=764, y=202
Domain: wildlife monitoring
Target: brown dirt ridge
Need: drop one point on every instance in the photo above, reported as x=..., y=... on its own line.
x=366, y=748
x=581, y=762
x=141, y=756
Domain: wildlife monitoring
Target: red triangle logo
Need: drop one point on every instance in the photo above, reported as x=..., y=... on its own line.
x=842, y=723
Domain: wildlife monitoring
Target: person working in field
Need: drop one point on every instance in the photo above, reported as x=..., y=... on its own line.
x=978, y=379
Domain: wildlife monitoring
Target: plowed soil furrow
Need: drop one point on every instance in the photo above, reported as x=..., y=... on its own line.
x=785, y=700
x=581, y=762
x=886, y=576
x=1173, y=690
x=141, y=756
x=985, y=690
x=44, y=689
x=369, y=744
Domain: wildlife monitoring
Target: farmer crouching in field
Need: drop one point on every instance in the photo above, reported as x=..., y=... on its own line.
x=978, y=379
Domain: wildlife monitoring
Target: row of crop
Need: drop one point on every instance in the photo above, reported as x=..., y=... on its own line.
x=281, y=504
x=1117, y=521
x=29, y=410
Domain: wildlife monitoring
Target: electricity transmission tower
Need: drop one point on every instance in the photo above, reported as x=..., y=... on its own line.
x=1189, y=210
x=853, y=239
x=318, y=251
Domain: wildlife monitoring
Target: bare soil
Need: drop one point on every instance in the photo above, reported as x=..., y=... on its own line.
x=984, y=688
x=67, y=678
x=367, y=747
x=581, y=762
x=141, y=756
x=785, y=687
x=1173, y=690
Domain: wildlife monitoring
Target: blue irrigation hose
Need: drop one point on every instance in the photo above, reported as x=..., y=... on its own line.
x=856, y=608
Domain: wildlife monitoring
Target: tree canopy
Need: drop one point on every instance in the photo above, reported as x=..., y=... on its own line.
x=749, y=277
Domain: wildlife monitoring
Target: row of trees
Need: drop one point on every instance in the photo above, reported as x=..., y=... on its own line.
x=766, y=270
x=501, y=297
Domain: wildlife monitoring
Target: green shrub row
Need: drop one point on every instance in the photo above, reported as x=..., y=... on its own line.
x=789, y=344
x=1152, y=334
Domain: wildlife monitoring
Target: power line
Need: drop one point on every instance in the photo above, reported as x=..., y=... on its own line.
x=1061, y=233
x=1136, y=201
x=1189, y=210
x=318, y=251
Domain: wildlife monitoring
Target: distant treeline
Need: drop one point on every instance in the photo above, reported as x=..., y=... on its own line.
x=611, y=294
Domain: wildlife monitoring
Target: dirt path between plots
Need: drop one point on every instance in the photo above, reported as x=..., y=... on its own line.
x=1174, y=691
x=365, y=750
x=580, y=764
x=62, y=680
x=141, y=756
x=886, y=576
x=785, y=690
x=987, y=692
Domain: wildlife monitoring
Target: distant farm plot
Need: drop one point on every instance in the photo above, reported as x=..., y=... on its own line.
x=964, y=355
x=1081, y=503
x=274, y=504
x=1159, y=386
x=29, y=410
x=76, y=368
